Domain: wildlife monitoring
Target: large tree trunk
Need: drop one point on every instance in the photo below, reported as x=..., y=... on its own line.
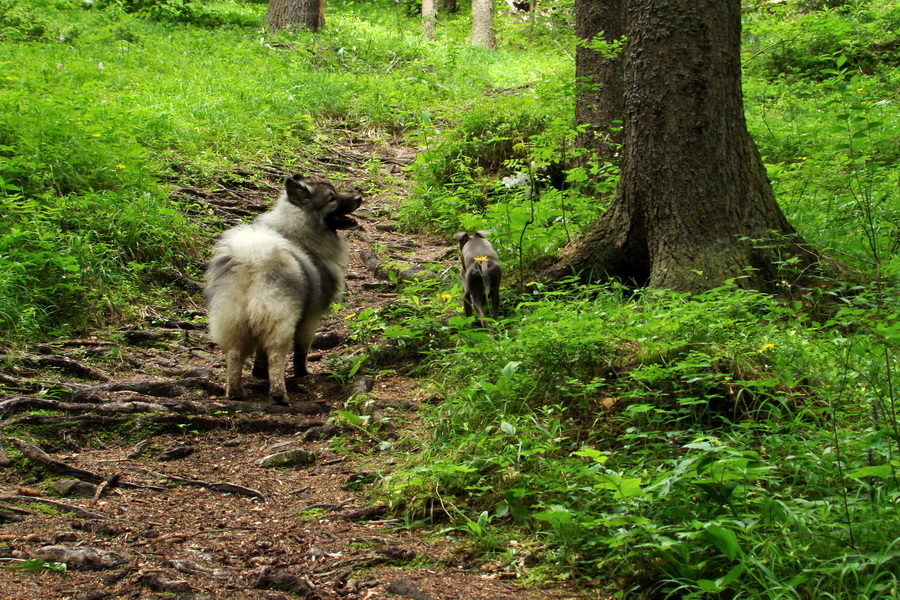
x=291, y=14
x=429, y=19
x=694, y=207
x=599, y=96
x=483, y=33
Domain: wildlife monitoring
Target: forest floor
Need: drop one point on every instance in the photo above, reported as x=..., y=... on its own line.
x=189, y=511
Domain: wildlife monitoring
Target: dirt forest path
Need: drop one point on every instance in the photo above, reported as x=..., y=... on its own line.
x=191, y=512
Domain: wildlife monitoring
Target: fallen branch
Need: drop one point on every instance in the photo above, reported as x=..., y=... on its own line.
x=178, y=423
x=41, y=458
x=19, y=404
x=75, y=510
x=66, y=364
x=224, y=488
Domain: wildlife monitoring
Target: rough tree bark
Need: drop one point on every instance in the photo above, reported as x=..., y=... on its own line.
x=694, y=206
x=483, y=33
x=599, y=101
x=429, y=19
x=287, y=14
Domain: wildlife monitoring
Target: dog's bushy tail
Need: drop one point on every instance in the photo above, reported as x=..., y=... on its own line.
x=247, y=306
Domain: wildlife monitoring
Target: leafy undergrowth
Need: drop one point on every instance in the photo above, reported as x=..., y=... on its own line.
x=723, y=445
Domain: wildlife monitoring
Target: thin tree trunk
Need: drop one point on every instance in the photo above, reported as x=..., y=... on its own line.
x=599, y=96
x=291, y=14
x=483, y=24
x=429, y=19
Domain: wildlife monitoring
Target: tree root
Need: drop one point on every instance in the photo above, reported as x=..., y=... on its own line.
x=224, y=487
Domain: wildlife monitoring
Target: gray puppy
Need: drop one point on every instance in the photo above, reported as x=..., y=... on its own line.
x=481, y=275
x=271, y=281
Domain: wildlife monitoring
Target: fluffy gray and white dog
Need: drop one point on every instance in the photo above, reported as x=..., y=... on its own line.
x=270, y=281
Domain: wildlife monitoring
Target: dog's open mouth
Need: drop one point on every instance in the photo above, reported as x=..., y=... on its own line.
x=341, y=219
x=335, y=221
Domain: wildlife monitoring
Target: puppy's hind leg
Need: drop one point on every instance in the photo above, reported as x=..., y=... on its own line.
x=495, y=302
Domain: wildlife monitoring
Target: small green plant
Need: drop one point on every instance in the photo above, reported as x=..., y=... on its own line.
x=36, y=564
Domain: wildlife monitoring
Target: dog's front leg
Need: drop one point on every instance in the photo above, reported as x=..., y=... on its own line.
x=303, y=337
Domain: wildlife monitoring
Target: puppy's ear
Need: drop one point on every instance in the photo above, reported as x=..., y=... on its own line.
x=298, y=191
x=482, y=233
x=463, y=237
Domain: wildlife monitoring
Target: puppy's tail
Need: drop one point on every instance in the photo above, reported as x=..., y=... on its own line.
x=485, y=278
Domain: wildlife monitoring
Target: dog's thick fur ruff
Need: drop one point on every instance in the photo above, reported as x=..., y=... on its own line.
x=271, y=281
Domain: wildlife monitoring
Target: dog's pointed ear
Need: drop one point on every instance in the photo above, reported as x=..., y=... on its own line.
x=297, y=190
x=463, y=237
x=482, y=233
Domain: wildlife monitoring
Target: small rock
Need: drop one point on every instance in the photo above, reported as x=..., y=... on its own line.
x=320, y=432
x=163, y=585
x=362, y=385
x=174, y=453
x=411, y=273
x=65, y=536
x=104, y=529
x=397, y=553
x=267, y=578
x=405, y=587
x=328, y=340
x=74, y=488
x=88, y=559
x=288, y=459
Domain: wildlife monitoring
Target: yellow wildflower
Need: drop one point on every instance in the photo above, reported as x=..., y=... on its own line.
x=120, y=167
x=767, y=347
x=481, y=258
x=350, y=316
x=446, y=296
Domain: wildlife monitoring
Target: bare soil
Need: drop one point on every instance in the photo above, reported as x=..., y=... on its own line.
x=190, y=512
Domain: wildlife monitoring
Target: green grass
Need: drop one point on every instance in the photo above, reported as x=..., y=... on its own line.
x=101, y=107
x=723, y=445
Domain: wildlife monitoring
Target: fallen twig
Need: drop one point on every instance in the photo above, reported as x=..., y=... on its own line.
x=224, y=487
